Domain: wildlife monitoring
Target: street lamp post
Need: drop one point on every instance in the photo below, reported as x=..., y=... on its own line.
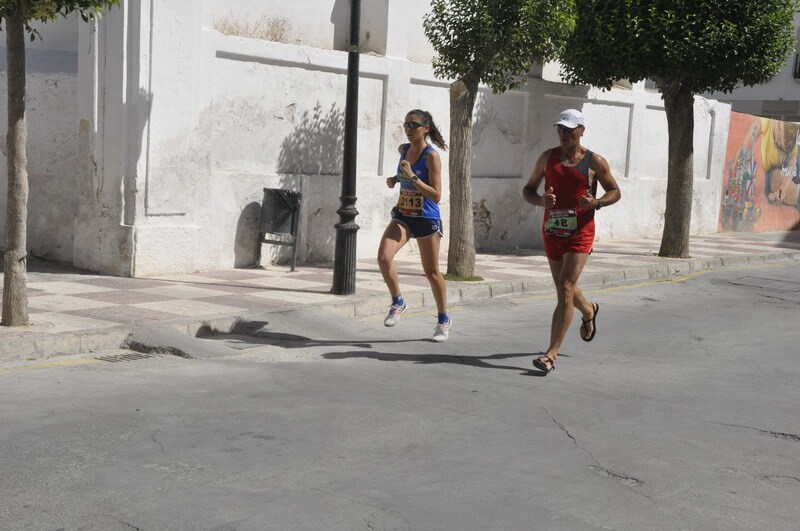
x=344, y=263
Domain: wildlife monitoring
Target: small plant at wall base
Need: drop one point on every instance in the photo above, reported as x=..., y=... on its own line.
x=266, y=28
x=495, y=42
x=15, y=18
x=688, y=47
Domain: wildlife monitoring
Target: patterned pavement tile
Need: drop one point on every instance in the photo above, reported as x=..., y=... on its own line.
x=372, y=285
x=124, y=296
x=33, y=292
x=419, y=281
x=513, y=275
x=181, y=291
x=62, y=303
x=370, y=276
x=238, y=287
x=58, y=322
x=371, y=290
x=233, y=274
x=123, y=282
x=290, y=283
x=316, y=276
x=299, y=297
x=248, y=302
x=124, y=315
x=193, y=280
x=612, y=262
x=67, y=288
x=187, y=308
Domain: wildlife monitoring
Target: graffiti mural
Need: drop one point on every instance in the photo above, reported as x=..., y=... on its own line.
x=761, y=185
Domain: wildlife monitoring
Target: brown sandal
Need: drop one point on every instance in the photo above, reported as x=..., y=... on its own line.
x=545, y=364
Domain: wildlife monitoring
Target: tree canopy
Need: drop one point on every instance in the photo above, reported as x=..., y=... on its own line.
x=498, y=40
x=48, y=10
x=687, y=47
x=707, y=45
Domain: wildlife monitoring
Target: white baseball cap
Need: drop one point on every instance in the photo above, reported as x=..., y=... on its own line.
x=571, y=118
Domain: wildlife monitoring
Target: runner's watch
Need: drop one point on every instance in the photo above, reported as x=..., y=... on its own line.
x=598, y=204
x=415, y=178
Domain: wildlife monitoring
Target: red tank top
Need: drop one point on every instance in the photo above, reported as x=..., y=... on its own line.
x=569, y=184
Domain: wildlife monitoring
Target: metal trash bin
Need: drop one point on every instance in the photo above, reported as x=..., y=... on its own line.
x=280, y=212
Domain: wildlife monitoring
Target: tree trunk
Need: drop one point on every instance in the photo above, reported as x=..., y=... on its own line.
x=461, y=252
x=15, y=300
x=679, y=106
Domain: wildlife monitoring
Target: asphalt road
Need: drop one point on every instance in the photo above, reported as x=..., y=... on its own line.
x=683, y=413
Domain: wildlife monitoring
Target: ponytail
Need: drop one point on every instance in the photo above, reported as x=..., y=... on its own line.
x=433, y=131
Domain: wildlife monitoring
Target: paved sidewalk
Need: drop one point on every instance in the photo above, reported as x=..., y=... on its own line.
x=72, y=312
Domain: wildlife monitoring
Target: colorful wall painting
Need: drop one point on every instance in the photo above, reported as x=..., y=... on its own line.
x=761, y=184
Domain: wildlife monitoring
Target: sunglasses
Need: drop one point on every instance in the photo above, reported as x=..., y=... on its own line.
x=412, y=125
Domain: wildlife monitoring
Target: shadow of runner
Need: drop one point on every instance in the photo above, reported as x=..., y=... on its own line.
x=254, y=333
x=428, y=359
x=280, y=339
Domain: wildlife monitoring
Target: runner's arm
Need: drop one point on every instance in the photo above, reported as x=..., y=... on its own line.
x=432, y=190
x=603, y=175
x=530, y=191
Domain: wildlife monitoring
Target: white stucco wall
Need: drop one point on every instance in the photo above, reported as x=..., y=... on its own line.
x=172, y=130
x=52, y=138
x=319, y=23
x=326, y=23
x=271, y=115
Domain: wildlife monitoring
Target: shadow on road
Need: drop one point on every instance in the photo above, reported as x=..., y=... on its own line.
x=279, y=339
x=427, y=359
x=247, y=334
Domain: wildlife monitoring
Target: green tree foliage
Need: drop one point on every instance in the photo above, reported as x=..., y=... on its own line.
x=687, y=47
x=495, y=42
x=16, y=17
x=49, y=10
x=498, y=41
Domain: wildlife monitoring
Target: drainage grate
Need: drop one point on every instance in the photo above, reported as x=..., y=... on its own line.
x=118, y=358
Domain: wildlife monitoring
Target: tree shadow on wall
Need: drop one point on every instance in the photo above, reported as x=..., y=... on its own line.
x=315, y=145
x=314, y=150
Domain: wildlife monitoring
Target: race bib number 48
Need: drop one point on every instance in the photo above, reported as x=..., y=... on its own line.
x=562, y=223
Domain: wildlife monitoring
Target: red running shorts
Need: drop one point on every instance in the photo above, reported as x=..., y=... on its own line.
x=555, y=247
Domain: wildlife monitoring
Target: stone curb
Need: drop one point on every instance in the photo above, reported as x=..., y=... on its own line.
x=65, y=343
x=43, y=346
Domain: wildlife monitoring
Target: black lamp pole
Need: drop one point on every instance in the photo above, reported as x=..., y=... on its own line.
x=344, y=263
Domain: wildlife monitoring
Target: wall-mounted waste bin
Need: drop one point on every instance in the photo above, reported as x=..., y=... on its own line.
x=280, y=213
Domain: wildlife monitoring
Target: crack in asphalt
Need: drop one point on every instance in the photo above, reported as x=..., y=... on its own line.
x=376, y=505
x=777, y=297
x=778, y=435
x=628, y=482
x=779, y=478
x=127, y=524
x=158, y=443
